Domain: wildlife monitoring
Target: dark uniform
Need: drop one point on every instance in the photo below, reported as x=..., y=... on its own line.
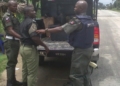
x=11, y=45
x=28, y=51
x=81, y=35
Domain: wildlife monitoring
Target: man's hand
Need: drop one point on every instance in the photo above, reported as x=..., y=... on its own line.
x=46, y=49
x=37, y=40
x=42, y=31
x=52, y=30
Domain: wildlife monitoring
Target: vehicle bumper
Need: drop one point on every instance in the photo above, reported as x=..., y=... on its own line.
x=95, y=56
x=96, y=52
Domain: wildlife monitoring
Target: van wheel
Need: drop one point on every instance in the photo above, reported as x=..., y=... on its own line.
x=41, y=60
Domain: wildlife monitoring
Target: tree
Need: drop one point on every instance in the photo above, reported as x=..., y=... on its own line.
x=101, y=5
x=116, y=4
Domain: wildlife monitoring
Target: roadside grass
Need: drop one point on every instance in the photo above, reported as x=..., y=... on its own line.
x=3, y=61
x=1, y=28
x=116, y=9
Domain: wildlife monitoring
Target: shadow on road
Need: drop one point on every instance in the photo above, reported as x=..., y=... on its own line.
x=102, y=73
x=54, y=72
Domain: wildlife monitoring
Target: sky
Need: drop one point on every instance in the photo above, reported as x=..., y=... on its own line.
x=105, y=1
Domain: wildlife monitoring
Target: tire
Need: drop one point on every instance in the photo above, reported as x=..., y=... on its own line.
x=41, y=60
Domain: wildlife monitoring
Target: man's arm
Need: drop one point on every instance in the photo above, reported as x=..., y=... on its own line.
x=35, y=37
x=7, y=22
x=52, y=30
x=12, y=32
x=68, y=27
x=37, y=40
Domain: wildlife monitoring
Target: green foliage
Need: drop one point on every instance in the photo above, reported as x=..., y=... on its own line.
x=38, y=14
x=116, y=9
x=101, y=5
x=37, y=6
x=3, y=62
x=1, y=27
x=20, y=17
x=116, y=4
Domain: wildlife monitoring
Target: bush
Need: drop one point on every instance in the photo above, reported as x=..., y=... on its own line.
x=3, y=62
x=1, y=28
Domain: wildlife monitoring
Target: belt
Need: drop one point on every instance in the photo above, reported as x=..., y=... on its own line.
x=11, y=37
x=28, y=45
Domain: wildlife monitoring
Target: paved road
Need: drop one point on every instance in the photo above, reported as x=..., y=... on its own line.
x=108, y=73
x=55, y=71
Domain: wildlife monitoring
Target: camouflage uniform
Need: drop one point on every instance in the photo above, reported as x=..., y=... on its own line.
x=79, y=73
x=11, y=45
x=29, y=53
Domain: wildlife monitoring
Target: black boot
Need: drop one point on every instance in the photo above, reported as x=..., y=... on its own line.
x=24, y=84
x=17, y=83
x=9, y=83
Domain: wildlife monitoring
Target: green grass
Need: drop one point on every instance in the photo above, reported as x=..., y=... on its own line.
x=1, y=27
x=3, y=62
x=116, y=9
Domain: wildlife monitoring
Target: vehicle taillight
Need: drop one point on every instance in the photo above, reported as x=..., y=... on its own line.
x=96, y=35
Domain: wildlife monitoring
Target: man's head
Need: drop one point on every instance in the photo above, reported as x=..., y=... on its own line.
x=29, y=11
x=12, y=6
x=81, y=7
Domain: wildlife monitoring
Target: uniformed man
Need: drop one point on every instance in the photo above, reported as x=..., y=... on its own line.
x=11, y=27
x=80, y=30
x=30, y=39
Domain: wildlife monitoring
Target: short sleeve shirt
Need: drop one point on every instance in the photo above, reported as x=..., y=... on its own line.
x=32, y=30
x=7, y=20
x=72, y=25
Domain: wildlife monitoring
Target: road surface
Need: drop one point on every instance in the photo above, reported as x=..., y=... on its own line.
x=108, y=73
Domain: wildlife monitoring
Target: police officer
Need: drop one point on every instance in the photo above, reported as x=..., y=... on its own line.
x=11, y=27
x=30, y=39
x=80, y=30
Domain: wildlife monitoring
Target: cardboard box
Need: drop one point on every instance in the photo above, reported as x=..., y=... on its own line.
x=48, y=21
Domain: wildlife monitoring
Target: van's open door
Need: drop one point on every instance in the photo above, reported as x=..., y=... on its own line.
x=95, y=9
